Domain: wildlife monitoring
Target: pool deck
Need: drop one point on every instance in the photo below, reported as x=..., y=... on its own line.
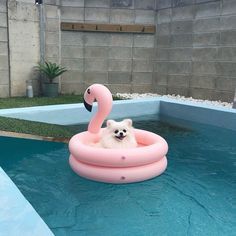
x=18, y=217
x=75, y=113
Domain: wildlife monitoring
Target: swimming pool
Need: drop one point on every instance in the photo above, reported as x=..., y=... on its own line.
x=196, y=195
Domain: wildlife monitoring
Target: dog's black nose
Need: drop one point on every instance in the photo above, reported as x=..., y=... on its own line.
x=121, y=134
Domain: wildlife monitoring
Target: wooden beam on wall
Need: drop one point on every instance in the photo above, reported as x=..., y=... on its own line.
x=117, y=28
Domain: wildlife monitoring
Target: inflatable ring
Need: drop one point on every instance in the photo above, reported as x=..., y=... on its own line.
x=146, y=161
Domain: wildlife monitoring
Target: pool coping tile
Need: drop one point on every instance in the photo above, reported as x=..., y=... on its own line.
x=17, y=216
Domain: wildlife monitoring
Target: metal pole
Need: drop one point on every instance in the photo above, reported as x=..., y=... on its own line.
x=42, y=32
x=8, y=48
x=42, y=27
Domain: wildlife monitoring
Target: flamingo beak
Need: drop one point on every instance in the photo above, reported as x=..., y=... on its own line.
x=88, y=106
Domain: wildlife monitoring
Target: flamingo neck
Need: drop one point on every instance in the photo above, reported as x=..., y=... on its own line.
x=104, y=101
x=96, y=123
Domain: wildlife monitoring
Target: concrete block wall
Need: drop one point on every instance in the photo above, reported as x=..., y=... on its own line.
x=53, y=34
x=4, y=58
x=123, y=62
x=193, y=52
x=196, y=49
x=23, y=23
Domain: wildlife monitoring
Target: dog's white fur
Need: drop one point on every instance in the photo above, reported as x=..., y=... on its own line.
x=118, y=135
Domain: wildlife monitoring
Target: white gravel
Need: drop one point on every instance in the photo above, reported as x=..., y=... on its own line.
x=173, y=96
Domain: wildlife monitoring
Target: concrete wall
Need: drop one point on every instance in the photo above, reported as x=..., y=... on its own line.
x=53, y=34
x=193, y=52
x=196, y=49
x=123, y=62
x=23, y=23
x=19, y=46
x=4, y=59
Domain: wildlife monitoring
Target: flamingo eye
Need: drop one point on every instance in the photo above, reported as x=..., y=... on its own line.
x=124, y=130
x=88, y=91
x=116, y=131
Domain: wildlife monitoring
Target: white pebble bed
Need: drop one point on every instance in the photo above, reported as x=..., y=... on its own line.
x=173, y=96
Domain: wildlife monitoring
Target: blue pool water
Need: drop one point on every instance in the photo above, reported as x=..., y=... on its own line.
x=195, y=196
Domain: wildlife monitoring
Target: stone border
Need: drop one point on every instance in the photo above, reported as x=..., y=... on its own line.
x=31, y=136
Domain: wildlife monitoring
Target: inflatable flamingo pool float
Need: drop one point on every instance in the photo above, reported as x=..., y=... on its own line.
x=146, y=161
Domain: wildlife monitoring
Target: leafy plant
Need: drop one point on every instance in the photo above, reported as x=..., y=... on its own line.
x=51, y=70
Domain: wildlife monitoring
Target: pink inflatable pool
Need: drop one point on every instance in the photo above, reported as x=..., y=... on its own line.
x=146, y=161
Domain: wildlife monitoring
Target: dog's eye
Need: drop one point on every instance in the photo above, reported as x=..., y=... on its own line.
x=88, y=91
x=124, y=130
x=116, y=131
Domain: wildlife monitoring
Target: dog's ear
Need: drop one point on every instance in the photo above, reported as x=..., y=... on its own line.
x=128, y=122
x=110, y=122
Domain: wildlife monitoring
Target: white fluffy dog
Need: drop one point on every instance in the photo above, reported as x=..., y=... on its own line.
x=118, y=135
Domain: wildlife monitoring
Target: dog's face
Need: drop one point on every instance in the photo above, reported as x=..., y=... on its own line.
x=119, y=130
x=118, y=135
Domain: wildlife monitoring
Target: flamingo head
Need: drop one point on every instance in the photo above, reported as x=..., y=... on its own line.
x=88, y=99
x=99, y=93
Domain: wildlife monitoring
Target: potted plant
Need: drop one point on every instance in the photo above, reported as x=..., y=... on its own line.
x=50, y=71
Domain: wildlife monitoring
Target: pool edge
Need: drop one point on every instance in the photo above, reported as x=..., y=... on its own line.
x=18, y=216
x=75, y=113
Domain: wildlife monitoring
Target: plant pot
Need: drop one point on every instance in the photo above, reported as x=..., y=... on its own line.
x=50, y=89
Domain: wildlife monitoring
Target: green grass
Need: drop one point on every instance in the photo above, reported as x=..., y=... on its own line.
x=39, y=101
x=37, y=128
